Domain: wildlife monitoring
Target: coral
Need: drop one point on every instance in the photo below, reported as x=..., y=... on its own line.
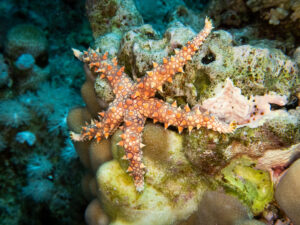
x=109, y=43
x=4, y=75
x=288, y=198
x=68, y=153
x=133, y=104
x=6, y=7
x=209, y=151
x=26, y=38
x=40, y=190
x=52, y=103
x=254, y=187
x=26, y=74
x=99, y=153
x=140, y=46
x=25, y=62
x=255, y=70
x=26, y=136
x=286, y=127
x=90, y=98
x=296, y=8
x=52, y=196
x=230, y=105
x=10, y=212
x=77, y=117
x=47, y=98
x=14, y=113
x=205, y=150
x=222, y=209
x=89, y=186
x=38, y=166
x=232, y=82
x=275, y=161
x=215, y=154
x=112, y=15
x=150, y=206
x=276, y=15
x=174, y=177
x=65, y=69
x=282, y=13
x=94, y=214
x=103, y=90
x=32, y=78
x=173, y=190
x=57, y=122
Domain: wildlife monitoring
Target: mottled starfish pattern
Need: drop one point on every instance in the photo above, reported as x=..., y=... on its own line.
x=134, y=103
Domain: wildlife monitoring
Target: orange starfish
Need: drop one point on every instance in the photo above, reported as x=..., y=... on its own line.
x=134, y=103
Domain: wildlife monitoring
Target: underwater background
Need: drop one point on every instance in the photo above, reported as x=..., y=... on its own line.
x=246, y=72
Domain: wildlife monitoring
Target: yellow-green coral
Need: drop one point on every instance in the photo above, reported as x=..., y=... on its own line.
x=172, y=188
x=126, y=206
x=254, y=187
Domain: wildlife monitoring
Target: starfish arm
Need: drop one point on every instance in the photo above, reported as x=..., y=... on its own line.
x=154, y=79
x=119, y=81
x=181, y=118
x=111, y=119
x=132, y=143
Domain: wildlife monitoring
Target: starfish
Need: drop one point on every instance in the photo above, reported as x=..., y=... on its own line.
x=134, y=102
